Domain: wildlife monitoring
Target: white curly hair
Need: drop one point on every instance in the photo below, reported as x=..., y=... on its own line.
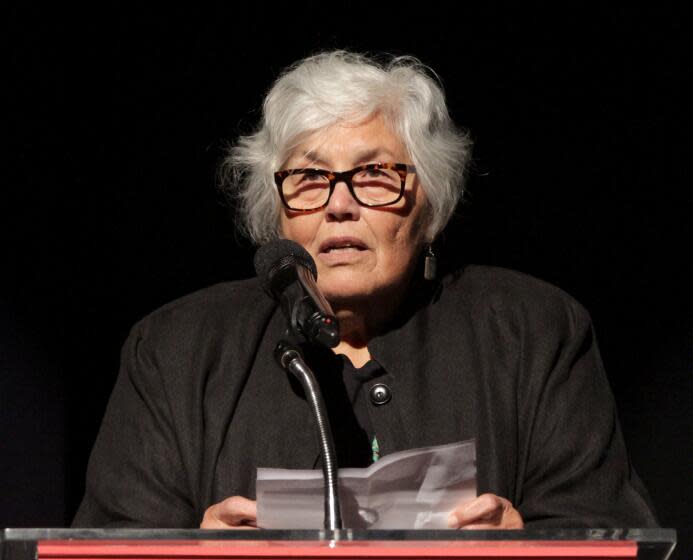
x=340, y=86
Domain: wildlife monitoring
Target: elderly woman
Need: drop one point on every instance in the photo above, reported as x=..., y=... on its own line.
x=358, y=161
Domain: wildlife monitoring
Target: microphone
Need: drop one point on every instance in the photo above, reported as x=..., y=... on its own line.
x=288, y=275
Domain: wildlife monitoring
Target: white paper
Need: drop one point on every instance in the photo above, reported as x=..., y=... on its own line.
x=413, y=489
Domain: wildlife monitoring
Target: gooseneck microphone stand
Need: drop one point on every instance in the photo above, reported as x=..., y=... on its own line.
x=289, y=357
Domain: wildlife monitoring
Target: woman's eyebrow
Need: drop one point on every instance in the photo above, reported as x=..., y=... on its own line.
x=368, y=155
x=315, y=159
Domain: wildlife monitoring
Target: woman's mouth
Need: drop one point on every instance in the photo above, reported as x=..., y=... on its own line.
x=341, y=249
x=342, y=245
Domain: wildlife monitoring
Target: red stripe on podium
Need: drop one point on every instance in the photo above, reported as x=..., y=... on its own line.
x=344, y=550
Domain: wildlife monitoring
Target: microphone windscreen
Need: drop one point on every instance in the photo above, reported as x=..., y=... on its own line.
x=275, y=255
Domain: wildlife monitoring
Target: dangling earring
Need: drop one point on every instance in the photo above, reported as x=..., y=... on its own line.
x=430, y=263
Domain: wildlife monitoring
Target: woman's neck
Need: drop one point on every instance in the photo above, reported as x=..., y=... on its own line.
x=360, y=321
x=359, y=356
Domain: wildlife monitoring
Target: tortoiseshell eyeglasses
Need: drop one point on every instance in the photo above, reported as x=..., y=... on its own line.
x=372, y=185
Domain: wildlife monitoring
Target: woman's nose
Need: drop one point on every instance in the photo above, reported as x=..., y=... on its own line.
x=342, y=205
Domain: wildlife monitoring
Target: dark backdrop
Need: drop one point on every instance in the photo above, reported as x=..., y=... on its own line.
x=117, y=122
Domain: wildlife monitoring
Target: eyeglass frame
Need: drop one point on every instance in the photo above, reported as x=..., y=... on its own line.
x=346, y=177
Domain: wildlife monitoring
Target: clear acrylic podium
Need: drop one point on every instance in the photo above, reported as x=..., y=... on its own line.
x=174, y=544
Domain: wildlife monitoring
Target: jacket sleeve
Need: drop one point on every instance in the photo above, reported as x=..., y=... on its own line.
x=135, y=476
x=576, y=468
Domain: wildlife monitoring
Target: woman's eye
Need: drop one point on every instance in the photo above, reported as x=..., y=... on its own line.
x=311, y=177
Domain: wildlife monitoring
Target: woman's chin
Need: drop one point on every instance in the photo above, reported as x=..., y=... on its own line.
x=345, y=282
x=341, y=294
x=342, y=298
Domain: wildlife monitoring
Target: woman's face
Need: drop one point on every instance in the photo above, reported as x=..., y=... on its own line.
x=360, y=252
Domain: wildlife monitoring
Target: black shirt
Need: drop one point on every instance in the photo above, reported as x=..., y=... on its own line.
x=345, y=389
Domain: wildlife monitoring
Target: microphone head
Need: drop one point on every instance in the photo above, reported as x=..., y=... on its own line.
x=279, y=254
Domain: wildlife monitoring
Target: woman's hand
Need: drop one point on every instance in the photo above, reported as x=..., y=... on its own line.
x=235, y=512
x=488, y=511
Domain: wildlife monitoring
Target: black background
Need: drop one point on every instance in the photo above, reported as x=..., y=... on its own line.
x=117, y=120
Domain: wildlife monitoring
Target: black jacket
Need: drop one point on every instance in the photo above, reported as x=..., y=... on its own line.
x=487, y=353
